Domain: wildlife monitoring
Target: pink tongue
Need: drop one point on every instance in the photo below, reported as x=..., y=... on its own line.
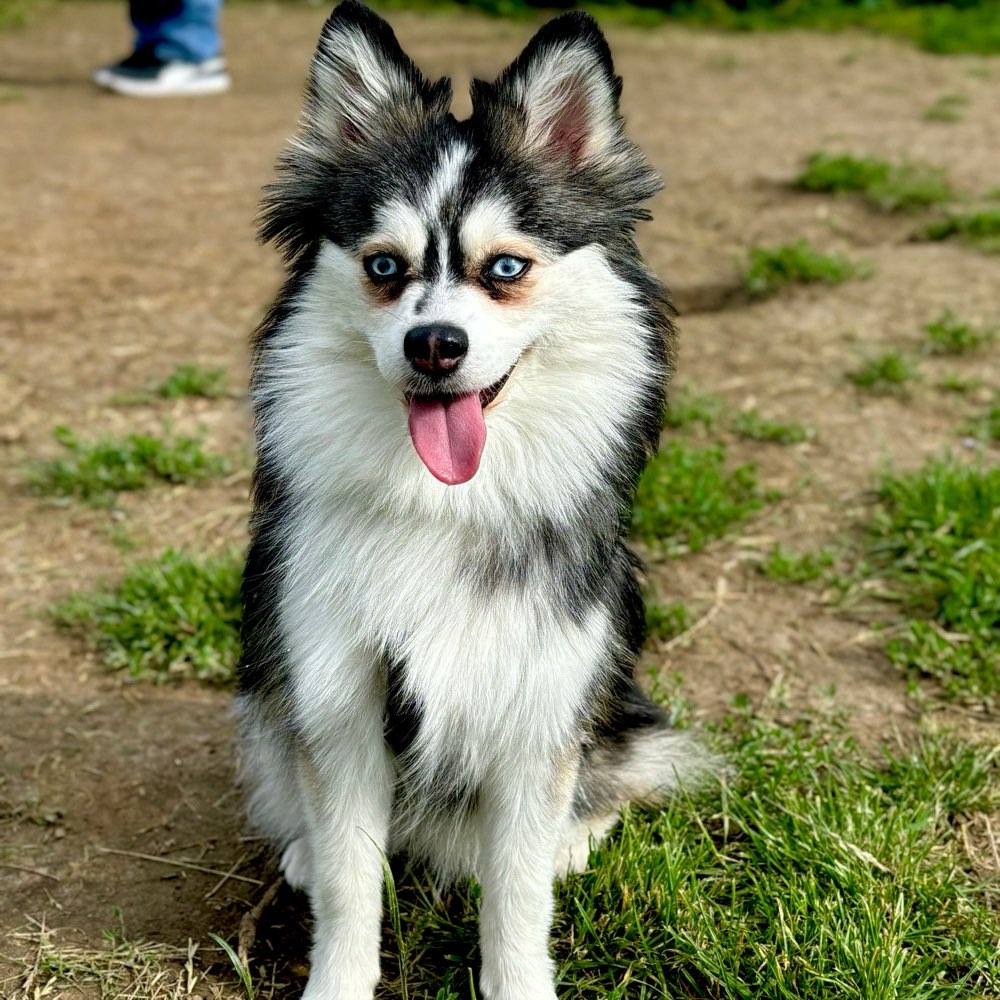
x=449, y=435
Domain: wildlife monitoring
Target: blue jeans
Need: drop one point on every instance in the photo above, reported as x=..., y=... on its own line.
x=177, y=29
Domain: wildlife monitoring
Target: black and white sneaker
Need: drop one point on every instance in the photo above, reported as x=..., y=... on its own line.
x=144, y=74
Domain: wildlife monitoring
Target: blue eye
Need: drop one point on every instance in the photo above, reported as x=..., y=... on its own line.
x=508, y=268
x=383, y=265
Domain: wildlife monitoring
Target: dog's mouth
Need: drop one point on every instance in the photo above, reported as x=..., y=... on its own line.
x=449, y=431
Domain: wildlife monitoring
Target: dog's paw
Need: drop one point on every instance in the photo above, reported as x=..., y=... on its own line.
x=296, y=864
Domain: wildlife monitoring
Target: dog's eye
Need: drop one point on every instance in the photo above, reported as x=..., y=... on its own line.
x=382, y=266
x=507, y=268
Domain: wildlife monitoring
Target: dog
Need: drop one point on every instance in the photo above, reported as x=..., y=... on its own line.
x=455, y=393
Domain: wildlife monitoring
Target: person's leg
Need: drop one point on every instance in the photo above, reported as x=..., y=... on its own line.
x=184, y=30
x=176, y=54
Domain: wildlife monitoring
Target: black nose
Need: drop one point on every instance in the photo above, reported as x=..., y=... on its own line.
x=436, y=349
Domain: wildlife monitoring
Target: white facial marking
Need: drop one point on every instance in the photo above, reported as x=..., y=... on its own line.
x=399, y=224
x=446, y=178
x=489, y=223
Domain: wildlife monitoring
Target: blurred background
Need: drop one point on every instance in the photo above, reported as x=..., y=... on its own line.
x=819, y=528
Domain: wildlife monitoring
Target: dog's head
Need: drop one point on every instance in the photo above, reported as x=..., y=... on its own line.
x=464, y=256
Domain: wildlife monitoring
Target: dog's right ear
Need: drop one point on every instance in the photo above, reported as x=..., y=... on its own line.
x=363, y=93
x=363, y=89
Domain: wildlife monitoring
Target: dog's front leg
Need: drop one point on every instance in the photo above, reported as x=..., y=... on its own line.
x=523, y=812
x=347, y=785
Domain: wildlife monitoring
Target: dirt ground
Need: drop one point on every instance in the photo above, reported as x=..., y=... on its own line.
x=127, y=241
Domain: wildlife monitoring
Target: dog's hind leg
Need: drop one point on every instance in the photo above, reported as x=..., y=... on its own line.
x=523, y=811
x=268, y=773
x=574, y=850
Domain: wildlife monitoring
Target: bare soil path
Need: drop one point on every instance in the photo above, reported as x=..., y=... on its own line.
x=127, y=242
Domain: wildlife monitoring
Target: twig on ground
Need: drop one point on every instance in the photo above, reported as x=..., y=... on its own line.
x=178, y=864
x=225, y=878
x=993, y=842
x=30, y=871
x=248, y=924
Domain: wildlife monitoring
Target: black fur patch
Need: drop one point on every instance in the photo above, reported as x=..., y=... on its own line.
x=402, y=716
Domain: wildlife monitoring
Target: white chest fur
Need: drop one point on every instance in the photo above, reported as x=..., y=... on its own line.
x=493, y=674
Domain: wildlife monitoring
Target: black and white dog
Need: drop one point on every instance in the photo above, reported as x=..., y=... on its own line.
x=455, y=393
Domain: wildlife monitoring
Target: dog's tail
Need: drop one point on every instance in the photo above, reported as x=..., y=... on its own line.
x=637, y=756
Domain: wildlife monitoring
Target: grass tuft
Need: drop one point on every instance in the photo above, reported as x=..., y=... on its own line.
x=666, y=621
x=980, y=230
x=687, y=496
x=886, y=373
x=769, y=270
x=174, y=616
x=121, y=968
x=751, y=425
x=948, y=335
x=687, y=407
x=193, y=380
x=97, y=470
x=958, y=384
x=891, y=187
x=986, y=427
x=936, y=538
x=790, y=567
x=946, y=109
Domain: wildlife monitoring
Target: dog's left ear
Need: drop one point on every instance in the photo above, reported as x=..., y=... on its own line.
x=559, y=98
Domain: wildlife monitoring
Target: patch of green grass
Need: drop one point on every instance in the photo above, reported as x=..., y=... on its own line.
x=791, y=567
x=751, y=425
x=949, y=335
x=892, y=187
x=936, y=539
x=666, y=621
x=687, y=407
x=935, y=27
x=193, y=380
x=979, y=229
x=817, y=874
x=174, y=616
x=946, y=108
x=958, y=385
x=97, y=470
x=769, y=269
x=987, y=426
x=886, y=373
x=687, y=496
x=13, y=14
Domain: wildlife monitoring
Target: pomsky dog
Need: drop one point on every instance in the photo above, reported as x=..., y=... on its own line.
x=455, y=393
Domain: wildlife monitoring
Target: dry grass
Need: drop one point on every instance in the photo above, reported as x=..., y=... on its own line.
x=121, y=970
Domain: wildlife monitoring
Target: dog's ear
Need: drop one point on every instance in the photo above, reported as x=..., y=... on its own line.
x=363, y=89
x=363, y=93
x=559, y=98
